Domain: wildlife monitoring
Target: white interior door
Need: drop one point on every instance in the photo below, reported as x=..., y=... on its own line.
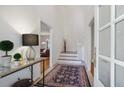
x=110, y=46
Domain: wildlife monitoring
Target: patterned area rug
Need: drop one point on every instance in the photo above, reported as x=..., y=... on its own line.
x=66, y=76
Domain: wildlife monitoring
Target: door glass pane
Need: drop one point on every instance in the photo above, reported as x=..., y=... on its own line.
x=119, y=49
x=119, y=10
x=104, y=15
x=104, y=72
x=104, y=42
x=119, y=76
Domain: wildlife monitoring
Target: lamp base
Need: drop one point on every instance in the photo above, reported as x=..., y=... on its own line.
x=30, y=59
x=30, y=53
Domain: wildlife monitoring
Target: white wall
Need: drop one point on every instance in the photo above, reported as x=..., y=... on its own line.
x=52, y=17
x=88, y=15
x=76, y=28
x=16, y=20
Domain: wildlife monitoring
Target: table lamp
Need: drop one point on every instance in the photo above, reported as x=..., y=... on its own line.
x=30, y=40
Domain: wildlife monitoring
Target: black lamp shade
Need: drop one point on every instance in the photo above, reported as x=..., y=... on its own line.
x=30, y=40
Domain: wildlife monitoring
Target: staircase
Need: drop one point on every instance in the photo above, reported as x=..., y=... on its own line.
x=69, y=58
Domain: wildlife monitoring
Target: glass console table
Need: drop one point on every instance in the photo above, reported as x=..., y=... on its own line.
x=5, y=71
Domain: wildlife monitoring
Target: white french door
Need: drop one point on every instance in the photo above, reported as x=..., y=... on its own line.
x=110, y=45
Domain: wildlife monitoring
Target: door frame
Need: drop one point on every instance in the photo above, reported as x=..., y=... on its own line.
x=91, y=25
x=97, y=82
x=51, y=42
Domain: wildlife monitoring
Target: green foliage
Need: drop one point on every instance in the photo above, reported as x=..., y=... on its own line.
x=17, y=56
x=6, y=46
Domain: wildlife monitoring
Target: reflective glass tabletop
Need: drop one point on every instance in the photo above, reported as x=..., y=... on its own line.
x=14, y=66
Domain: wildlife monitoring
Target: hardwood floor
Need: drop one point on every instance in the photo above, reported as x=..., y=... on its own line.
x=91, y=74
x=46, y=65
x=92, y=69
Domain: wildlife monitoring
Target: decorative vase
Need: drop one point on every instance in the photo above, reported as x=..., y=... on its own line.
x=30, y=53
x=6, y=61
x=16, y=63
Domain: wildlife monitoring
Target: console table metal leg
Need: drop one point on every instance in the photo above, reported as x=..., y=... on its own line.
x=43, y=73
x=32, y=73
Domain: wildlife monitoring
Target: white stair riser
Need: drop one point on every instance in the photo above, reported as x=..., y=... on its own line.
x=71, y=63
x=66, y=61
x=70, y=55
x=71, y=58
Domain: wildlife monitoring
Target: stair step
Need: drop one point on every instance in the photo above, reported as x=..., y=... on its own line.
x=78, y=62
x=70, y=52
x=70, y=58
x=69, y=55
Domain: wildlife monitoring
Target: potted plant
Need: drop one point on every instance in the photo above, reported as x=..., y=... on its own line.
x=6, y=46
x=17, y=58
